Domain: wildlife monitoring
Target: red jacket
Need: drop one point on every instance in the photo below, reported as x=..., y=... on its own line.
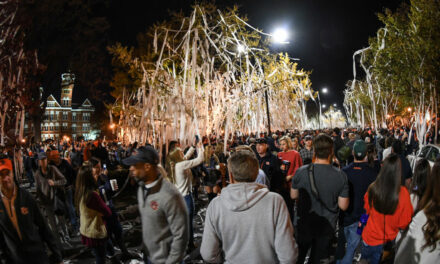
x=373, y=233
x=294, y=158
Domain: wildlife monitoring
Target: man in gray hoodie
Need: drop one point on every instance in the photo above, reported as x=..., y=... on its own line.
x=247, y=223
x=163, y=211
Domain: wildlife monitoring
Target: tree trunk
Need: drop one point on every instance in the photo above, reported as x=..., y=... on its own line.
x=36, y=122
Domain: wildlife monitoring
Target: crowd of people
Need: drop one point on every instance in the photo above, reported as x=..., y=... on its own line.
x=317, y=196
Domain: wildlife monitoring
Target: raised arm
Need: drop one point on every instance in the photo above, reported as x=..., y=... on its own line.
x=188, y=164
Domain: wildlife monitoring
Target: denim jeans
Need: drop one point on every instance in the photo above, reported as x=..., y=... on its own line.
x=353, y=240
x=371, y=253
x=71, y=209
x=190, y=206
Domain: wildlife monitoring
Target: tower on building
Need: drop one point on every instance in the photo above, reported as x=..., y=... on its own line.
x=67, y=83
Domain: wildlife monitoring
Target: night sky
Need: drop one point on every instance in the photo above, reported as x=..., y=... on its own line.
x=324, y=34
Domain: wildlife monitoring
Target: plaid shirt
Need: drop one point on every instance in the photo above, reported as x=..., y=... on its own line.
x=306, y=154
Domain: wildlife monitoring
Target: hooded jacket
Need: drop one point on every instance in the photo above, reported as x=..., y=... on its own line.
x=248, y=224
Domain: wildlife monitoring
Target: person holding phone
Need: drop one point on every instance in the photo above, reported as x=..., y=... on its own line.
x=183, y=176
x=114, y=227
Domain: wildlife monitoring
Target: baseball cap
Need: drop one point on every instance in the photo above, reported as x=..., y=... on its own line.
x=5, y=164
x=261, y=141
x=360, y=149
x=142, y=155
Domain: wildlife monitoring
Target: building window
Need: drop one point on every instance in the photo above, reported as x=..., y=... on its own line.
x=86, y=116
x=66, y=91
x=73, y=127
x=86, y=127
x=65, y=115
x=73, y=116
x=51, y=104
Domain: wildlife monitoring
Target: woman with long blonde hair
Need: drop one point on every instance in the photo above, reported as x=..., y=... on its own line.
x=92, y=210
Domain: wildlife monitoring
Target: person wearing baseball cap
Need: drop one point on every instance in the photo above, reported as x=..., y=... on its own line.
x=47, y=179
x=23, y=229
x=360, y=175
x=164, y=216
x=306, y=153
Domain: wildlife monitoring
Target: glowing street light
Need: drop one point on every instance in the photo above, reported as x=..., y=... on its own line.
x=280, y=35
x=240, y=48
x=324, y=106
x=112, y=126
x=335, y=105
x=324, y=90
x=409, y=109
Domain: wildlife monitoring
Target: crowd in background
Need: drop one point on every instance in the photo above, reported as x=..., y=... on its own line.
x=354, y=187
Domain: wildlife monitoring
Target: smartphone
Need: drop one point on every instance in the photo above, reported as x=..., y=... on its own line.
x=104, y=166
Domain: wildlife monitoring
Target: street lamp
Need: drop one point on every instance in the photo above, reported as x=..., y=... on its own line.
x=324, y=106
x=112, y=127
x=324, y=90
x=240, y=48
x=280, y=35
x=335, y=105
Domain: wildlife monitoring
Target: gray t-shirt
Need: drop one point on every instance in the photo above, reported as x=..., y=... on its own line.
x=330, y=182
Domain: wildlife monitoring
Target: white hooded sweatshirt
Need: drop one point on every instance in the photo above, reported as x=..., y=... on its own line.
x=248, y=224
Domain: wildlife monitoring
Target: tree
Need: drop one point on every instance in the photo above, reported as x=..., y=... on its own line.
x=70, y=35
x=203, y=73
x=401, y=64
x=19, y=70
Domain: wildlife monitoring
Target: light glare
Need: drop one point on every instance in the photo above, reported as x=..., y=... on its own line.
x=241, y=48
x=280, y=35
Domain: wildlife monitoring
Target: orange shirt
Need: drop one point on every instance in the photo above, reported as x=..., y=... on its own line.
x=374, y=234
x=10, y=209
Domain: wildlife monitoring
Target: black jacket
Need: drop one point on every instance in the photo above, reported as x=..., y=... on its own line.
x=34, y=231
x=271, y=167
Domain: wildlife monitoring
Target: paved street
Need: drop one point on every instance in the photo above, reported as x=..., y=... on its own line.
x=126, y=205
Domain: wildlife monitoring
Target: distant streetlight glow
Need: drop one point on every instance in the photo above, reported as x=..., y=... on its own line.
x=324, y=106
x=409, y=109
x=240, y=48
x=324, y=90
x=334, y=105
x=280, y=35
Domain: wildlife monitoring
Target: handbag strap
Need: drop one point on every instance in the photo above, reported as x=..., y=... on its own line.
x=314, y=189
